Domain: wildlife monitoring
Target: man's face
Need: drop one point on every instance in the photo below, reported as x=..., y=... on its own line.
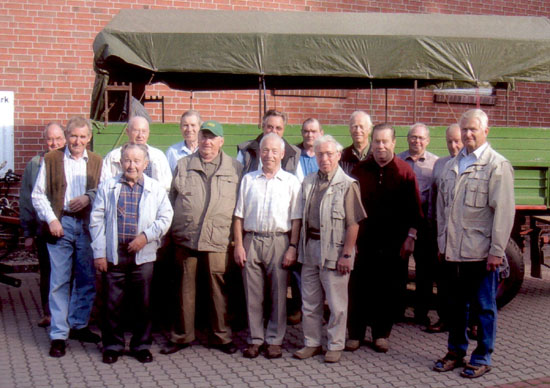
x=274, y=124
x=359, y=130
x=327, y=157
x=138, y=132
x=418, y=140
x=55, y=138
x=271, y=154
x=190, y=128
x=310, y=132
x=133, y=164
x=209, y=144
x=454, y=142
x=473, y=136
x=78, y=140
x=382, y=146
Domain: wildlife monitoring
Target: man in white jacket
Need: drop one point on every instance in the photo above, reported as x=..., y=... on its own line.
x=131, y=213
x=157, y=168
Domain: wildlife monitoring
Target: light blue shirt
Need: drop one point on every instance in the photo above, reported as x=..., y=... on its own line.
x=177, y=151
x=466, y=159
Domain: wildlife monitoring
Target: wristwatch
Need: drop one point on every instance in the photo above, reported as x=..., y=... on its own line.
x=346, y=256
x=413, y=236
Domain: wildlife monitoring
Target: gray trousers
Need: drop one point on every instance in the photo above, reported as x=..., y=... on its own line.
x=318, y=283
x=264, y=259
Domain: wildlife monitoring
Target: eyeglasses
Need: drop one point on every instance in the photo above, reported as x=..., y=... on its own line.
x=419, y=138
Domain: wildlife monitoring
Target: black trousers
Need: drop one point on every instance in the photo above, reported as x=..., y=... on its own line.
x=45, y=269
x=374, y=293
x=129, y=283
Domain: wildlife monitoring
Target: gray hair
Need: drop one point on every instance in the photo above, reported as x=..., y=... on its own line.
x=360, y=113
x=78, y=122
x=272, y=135
x=130, y=146
x=311, y=120
x=478, y=114
x=419, y=125
x=275, y=113
x=455, y=125
x=191, y=112
x=134, y=119
x=51, y=124
x=327, y=139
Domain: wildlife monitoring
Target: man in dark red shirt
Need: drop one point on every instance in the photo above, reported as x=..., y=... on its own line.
x=389, y=193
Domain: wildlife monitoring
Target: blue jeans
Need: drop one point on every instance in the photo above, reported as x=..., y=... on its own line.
x=71, y=258
x=472, y=288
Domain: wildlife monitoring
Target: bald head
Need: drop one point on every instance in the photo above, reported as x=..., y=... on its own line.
x=138, y=130
x=453, y=138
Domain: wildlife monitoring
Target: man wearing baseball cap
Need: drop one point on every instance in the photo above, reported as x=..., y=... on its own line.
x=203, y=195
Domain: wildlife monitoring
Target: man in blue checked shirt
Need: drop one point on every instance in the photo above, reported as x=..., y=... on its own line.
x=131, y=213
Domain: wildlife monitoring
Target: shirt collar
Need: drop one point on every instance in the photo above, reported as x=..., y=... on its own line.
x=124, y=180
x=476, y=153
x=409, y=156
x=68, y=154
x=360, y=155
x=277, y=175
x=326, y=177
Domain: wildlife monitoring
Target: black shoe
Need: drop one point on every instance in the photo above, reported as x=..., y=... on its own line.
x=110, y=356
x=143, y=356
x=172, y=347
x=57, y=348
x=438, y=327
x=84, y=335
x=228, y=348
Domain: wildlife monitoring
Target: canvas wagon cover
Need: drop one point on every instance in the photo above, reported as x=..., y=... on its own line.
x=210, y=50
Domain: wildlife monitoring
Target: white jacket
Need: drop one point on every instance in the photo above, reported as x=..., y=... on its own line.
x=155, y=217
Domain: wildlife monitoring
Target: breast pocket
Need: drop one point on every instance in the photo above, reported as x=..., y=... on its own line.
x=477, y=190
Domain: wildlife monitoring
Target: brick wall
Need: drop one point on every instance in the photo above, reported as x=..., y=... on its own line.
x=46, y=59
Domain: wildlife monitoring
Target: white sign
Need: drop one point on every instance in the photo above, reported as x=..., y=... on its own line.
x=6, y=131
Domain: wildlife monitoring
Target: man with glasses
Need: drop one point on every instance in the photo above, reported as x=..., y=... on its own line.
x=425, y=251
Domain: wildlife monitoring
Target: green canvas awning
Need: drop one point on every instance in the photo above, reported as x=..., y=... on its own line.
x=212, y=50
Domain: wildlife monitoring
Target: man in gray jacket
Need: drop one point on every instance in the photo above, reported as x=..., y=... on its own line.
x=475, y=214
x=203, y=194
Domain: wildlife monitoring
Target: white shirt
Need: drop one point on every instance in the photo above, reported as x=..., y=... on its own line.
x=465, y=160
x=299, y=172
x=160, y=169
x=269, y=205
x=75, y=176
x=177, y=151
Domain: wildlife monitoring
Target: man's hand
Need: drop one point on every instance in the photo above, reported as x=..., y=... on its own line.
x=493, y=262
x=56, y=229
x=239, y=255
x=29, y=243
x=101, y=264
x=290, y=257
x=137, y=244
x=78, y=203
x=343, y=265
x=408, y=247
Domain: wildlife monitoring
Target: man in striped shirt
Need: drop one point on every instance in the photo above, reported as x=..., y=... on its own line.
x=65, y=189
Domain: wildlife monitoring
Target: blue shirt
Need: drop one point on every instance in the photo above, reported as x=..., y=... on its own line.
x=309, y=163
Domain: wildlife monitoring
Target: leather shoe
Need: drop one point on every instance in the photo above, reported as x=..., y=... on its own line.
x=438, y=327
x=352, y=345
x=333, y=356
x=381, y=345
x=57, y=348
x=172, y=347
x=143, y=356
x=273, y=351
x=228, y=348
x=110, y=356
x=307, y=352
x=252, y=351
x=84, y=335
x=45, y=321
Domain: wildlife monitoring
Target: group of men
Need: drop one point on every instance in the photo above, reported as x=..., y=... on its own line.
x=348, y=219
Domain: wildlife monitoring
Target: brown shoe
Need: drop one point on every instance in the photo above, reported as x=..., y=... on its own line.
x=252, y=351
x=307, y=352
x=381, y=345
x=448, y=363
x=45, y=321
x=352, y=345
x=273, y=351
x=333, y=355
x=294, y=319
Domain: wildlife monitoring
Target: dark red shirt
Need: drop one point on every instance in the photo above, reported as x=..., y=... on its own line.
x=391, y=199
